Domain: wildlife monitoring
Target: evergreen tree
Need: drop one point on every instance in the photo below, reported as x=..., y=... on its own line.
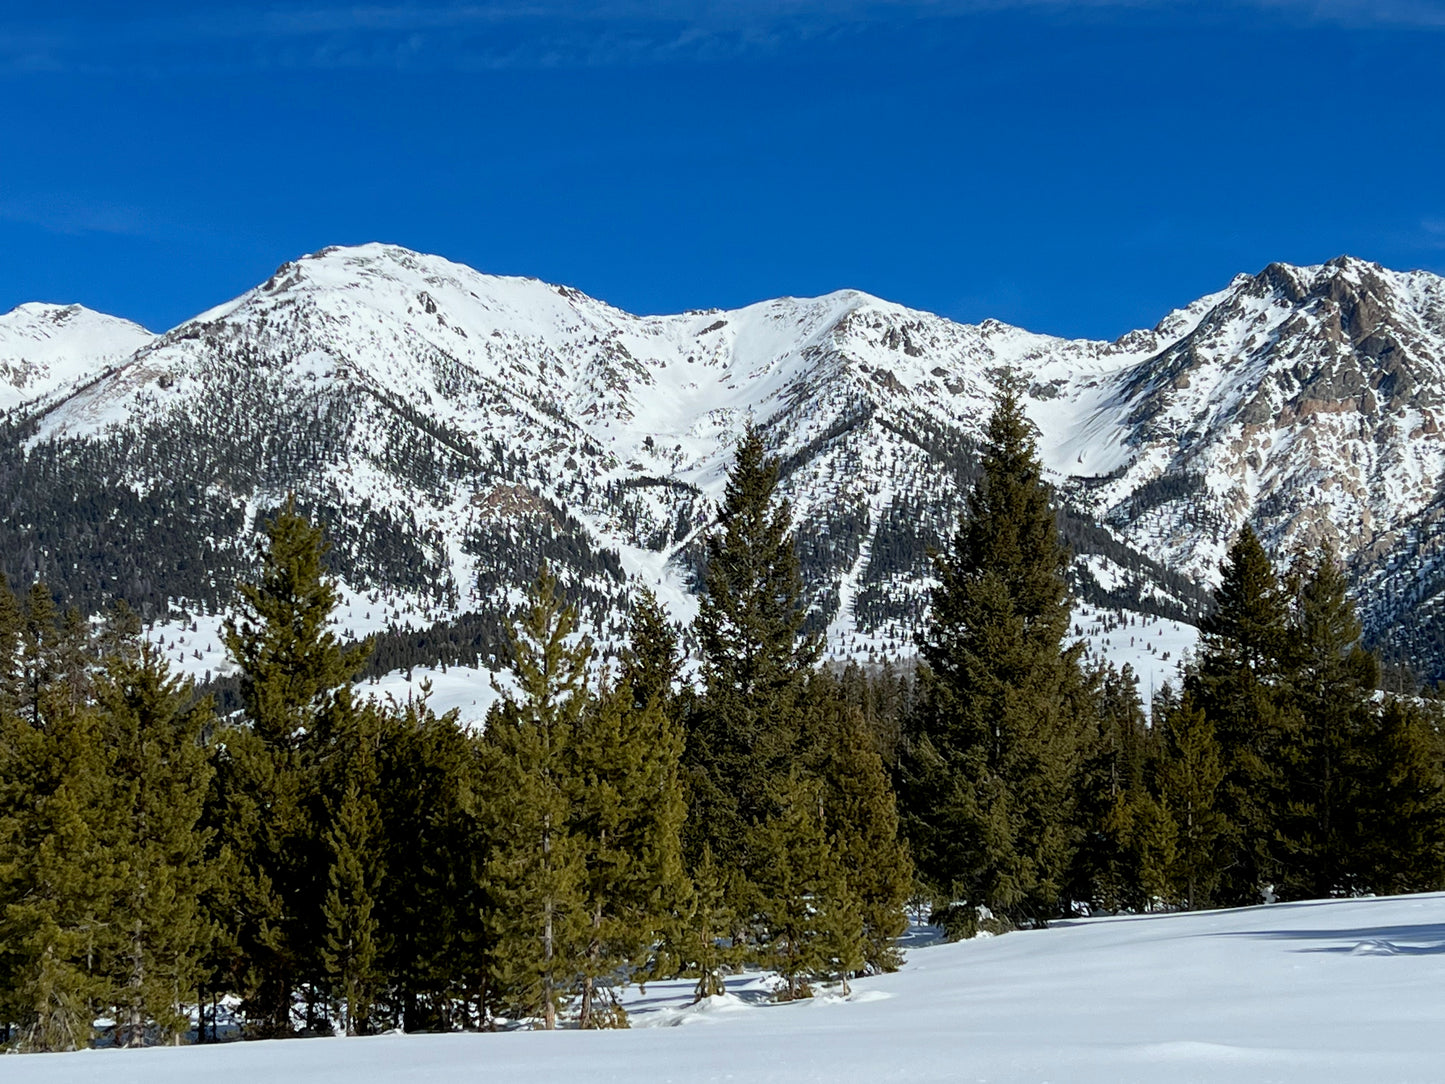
x=1401, y=803
x=629, y=812
x=535, y=868
x=1334, y=693
x=743, y=735
x=58, y=876
x=350, y=950
x=844, y=939
x=651, y=666
x=860, y=815
x=150, y=729
x=429, y=906
x=1115, y=810
x=12, y=631
x=796, y=872
x=1190, y=772
x=988, y=761
x=293, y=670
x=268, y=808
x=704, y=945
x=1242, y=682
x=39, y=651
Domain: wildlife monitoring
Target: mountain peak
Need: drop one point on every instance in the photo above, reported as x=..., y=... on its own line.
x=45, y=348
x=413, y=401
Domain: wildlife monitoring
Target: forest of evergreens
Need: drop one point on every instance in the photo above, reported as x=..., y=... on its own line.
x=322, y=863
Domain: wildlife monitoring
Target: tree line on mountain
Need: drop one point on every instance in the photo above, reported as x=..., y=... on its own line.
x=330, y=863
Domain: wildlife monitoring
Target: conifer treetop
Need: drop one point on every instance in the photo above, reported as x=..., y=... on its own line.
x=752, y=611
x=291, y=663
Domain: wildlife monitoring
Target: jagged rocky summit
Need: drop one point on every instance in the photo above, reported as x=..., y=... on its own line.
x=454, y=428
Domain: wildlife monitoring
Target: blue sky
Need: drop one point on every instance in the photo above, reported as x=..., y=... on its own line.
x=1077, y=168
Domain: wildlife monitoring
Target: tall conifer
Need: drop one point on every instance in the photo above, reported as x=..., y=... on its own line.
x=989, y=757
x=535, y=868
x=295, y=687
x=744, y=733
x=1242, y=681
x=874, y=874
x=151, y=728
x=1189, y=774
x=629, y=812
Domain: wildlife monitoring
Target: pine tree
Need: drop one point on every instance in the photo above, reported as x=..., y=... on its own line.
x=12, y=631
x=1334, y=692
x=1190, y=772
x=875, y=874
x=843, y=936
x=1401, y=803
x=705, y=947
x=58, y=877
x=797, y=871
x=293, y=670
x=150, y=729
x=429, y=906
x=268, y=808
x=1243, y=681
x=39, y=650
x=651, y=666
x=743, y=734
x=628, y=812
x=1113, y=804
x=535, y=868
x=350, y=948
x=989, y=757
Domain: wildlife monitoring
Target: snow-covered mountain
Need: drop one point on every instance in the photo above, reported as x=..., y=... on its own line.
x=45, y=349
x=454, y=428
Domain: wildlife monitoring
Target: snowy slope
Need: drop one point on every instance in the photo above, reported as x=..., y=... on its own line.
x=47, y=348
x=1346, y=990
x=625, y=422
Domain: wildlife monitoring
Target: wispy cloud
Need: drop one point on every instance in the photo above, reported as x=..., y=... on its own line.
x=557, y=33
x=74, y=216
x=1422, y=14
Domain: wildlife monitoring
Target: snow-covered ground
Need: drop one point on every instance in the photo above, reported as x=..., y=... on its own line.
x=1350, y=990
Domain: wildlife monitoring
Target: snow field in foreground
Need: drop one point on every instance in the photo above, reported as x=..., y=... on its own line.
x=1350, y=990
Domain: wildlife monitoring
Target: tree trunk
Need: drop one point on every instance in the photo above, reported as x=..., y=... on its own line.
x=589, y=984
